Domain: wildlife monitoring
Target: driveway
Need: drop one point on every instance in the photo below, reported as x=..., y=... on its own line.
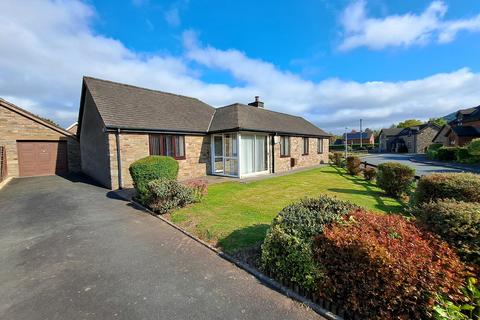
x=419, y=162
x=70, y=250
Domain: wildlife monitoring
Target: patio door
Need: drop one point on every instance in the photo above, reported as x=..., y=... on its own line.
x=253, y=153
x=225, y=154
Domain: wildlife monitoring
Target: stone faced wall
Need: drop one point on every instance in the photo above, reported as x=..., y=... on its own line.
x=425, y=139
x=313, y=158
x=15, y=126
x=135, y=146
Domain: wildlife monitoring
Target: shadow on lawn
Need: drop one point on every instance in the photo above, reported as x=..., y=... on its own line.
x=369, y=191
x=244, y=237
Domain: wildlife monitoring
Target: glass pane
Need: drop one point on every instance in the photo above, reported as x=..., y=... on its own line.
x=218, y=146
x=169, y=146
x=179, y=146
x=247, y=146
x=260, y=154
x=218, y=165
x=231, y=166
x=230, y=145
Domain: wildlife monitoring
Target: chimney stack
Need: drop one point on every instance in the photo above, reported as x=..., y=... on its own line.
x=257, y=103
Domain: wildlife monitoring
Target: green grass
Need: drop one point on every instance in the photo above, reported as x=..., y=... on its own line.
x=235, y=215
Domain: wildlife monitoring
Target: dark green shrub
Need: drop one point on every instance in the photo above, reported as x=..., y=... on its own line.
x=462, y=154
x=287, y=249
x=432, y=154
x=385, y=267
x=435, y=146
x=474, y=147
x=166, y=195
x=353, y=165
x=458, y=186
x=150, y=168
x=370, y=173
x=395, y=179
x=456, y=222
x=447, y=154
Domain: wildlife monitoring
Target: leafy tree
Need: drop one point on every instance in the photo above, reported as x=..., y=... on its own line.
x=409, y=123
x=438, y=121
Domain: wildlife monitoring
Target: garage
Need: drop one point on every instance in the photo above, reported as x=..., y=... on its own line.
x=41, y=158
x=34, y=146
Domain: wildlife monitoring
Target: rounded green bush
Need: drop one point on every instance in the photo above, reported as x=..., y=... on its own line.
x=474, y=147
x=458, y=186
x=395, y=179
x=287, y=249
x=151, y=168
x=456, y=222
x=447, y=153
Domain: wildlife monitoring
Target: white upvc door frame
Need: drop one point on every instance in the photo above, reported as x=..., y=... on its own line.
x=212, y=152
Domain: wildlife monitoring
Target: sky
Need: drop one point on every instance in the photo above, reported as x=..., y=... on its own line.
x=332, y=62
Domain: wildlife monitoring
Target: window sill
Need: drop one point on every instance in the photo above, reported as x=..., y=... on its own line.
x=304, y=154
x=179, y=158
x=285, y=156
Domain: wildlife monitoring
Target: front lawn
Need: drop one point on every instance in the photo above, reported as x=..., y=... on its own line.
x=235, y=215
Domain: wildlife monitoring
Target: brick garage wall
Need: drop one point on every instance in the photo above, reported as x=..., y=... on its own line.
x=313, y=158
x=15, y=126
x=136, y=146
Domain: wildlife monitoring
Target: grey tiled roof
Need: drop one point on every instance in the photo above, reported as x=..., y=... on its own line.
x=467, y=131
x=391, y=131
x=130, y=107
x=243, y=117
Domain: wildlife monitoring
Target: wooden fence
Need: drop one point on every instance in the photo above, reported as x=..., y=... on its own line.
x=3, y=163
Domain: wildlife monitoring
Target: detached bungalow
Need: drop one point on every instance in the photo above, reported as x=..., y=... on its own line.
x=119, y=124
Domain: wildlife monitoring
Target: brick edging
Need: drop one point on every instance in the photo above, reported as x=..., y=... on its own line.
x=260, y=276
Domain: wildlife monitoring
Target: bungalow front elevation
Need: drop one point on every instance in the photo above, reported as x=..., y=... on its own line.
x=119, y=124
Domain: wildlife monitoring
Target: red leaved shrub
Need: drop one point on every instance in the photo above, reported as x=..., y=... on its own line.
x=384, y=267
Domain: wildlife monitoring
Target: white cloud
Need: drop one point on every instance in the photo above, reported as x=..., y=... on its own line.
x=43, y=58
x=400, y=30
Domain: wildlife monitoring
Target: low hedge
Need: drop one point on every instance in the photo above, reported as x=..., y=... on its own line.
x=447, y=153
x=166, y=195
x=353, y=165
x=384, y=267
x=458, y=186
x=287, y=249
x=457, y=222
x=395, y=179
x=474, y=147
x=150, y=168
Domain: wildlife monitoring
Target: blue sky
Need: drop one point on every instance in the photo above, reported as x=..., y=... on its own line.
x=332, y=62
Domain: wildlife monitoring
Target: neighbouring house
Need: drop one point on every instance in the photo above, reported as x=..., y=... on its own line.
x=441, y=136
x=463, y=129
x=33, y=146
x=120, y=123
x=386, y=137
x=415, y=139
x=73, y=128
x=354, y=137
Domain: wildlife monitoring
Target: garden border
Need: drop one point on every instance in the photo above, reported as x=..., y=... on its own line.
x=279, y=287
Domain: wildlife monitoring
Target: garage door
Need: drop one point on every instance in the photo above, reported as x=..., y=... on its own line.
x=42, y=158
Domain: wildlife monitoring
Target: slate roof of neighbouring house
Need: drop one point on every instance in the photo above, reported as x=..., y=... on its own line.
x=470, y=114
x=391, y=131
x=466, y=131
x=443, y=132
x=356, y=135
x=130, y=107
x=248, y=118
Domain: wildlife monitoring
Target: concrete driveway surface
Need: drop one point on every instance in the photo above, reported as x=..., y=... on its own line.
x=68, y=250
